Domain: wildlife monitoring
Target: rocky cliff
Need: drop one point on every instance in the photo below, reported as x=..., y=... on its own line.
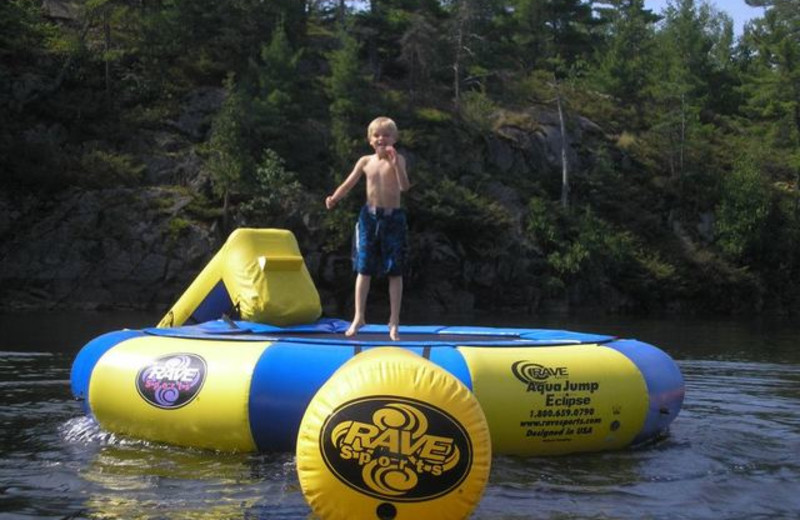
x=139, y=247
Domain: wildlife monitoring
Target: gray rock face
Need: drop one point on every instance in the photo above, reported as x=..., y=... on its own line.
x=199, y=108
x=122, y=248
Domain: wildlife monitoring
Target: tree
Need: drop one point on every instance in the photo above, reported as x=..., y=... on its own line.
x=347, y=90
x=742, y=211
x=623, y=64
x=418, y=47
x=274, y=89
x=23, y=36
x=461, y=19
x=229, y=158
x=687, y=58
x=557, y=29
x=470, y=37
x=276, y=194
x=204, y=40
x=772, y=84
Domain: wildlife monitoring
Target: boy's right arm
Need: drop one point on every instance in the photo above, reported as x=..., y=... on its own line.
x=345, y=187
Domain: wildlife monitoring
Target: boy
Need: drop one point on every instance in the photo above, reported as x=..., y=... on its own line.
x=380, y=235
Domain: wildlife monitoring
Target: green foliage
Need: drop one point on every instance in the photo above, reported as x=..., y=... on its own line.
x=770, y=83
x=686, y=61
x=338, y=229
x=107, y=169
x=460, y=212
x=742, y=211
x=176, y=228
x=204, y=39
x=544, y=31
x=622, y=69
x=585, y=250
x=478, y=112
x=418, y=52
x=201, y=209
x=22, y=28
x=433, y=115
x=276, y=194
x=275, y=109
x=346, y=89
x=228, y=158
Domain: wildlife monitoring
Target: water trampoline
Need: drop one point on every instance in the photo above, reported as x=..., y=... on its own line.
x=244, y=362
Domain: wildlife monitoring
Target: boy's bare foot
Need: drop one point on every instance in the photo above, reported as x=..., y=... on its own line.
x=393, y=334
x=353, y=330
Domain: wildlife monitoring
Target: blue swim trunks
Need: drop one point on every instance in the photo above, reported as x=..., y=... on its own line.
x=379, y=243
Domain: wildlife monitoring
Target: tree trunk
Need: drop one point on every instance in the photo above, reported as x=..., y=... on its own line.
x=682, y=146
x=457, y=65
x=797, y=168
x=372, y=43
x=564, y=161
x=225, y=210
x=106, y=57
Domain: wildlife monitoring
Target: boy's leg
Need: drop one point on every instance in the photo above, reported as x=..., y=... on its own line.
x=395, y=301
x=362, y=289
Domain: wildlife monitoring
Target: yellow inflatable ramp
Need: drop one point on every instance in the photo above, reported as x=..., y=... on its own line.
x=258, y=275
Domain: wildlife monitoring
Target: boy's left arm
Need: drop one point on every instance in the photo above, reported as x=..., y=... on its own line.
x=399, y=163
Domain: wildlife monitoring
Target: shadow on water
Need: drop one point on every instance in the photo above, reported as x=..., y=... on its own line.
x=731, y=453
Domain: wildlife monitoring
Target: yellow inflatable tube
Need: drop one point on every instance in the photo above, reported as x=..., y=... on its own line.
x=164, y=392
x=558, y=400
x=392, y=436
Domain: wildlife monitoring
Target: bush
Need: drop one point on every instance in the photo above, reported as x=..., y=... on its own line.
x=742, y=212
x=102, y=169
x=277, y=195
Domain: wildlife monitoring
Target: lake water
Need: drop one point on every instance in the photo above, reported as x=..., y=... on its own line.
x=732, y=453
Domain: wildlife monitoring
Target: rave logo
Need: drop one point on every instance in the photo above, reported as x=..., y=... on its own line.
x=535, y=376
x=396, y=448
x=171, y=382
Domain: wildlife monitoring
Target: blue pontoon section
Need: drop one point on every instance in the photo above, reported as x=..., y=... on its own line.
x=288, y=375
x=87, y=358
x=282, y=386
x=664, y=381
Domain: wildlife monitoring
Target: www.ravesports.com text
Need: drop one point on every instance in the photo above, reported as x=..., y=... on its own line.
x=561, y=422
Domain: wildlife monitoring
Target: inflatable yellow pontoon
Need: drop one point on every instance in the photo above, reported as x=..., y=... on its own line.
x=244, y=362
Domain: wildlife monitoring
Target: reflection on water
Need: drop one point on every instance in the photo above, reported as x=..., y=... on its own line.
x=732, y=452
x=136, y=479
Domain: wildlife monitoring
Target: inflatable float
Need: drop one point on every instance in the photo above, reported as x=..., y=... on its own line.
x=244, y=361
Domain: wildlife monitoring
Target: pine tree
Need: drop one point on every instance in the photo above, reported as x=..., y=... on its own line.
x=680, y=89
x=624, y=63
x=772, y=84
x=229, y=160
x=346, y=88
x=277, y=109
x=418, y=51
x=559, y=29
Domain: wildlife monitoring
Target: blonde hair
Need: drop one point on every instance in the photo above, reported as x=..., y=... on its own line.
x=382, y=122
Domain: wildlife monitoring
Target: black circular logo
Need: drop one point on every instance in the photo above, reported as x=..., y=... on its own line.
x=394, y=448
x=172, y=381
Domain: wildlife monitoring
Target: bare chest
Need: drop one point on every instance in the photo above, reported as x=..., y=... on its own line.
x=379, y=172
